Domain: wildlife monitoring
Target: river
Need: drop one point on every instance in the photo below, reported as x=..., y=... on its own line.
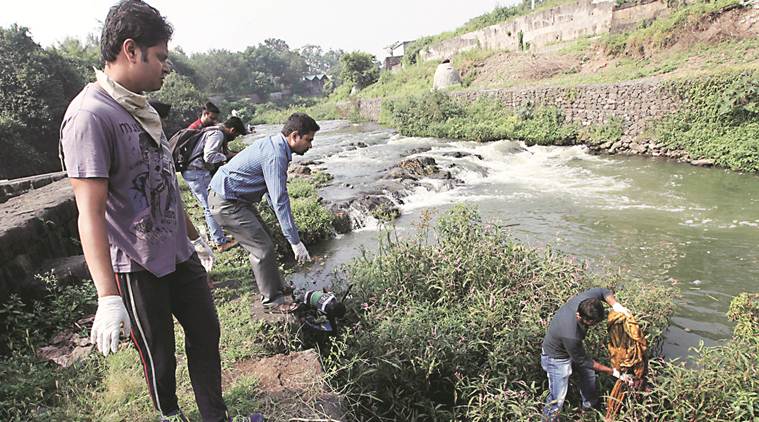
x=652, y=219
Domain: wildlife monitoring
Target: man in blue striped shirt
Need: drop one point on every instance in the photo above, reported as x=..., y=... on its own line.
x=236, y=188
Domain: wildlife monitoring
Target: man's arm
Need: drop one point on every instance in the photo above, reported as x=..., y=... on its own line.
x=275, y=176
x=111, y=316
x=91, y=195
x=612, y=301
x=213, y=148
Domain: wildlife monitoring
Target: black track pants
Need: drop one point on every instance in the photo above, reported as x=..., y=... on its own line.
x=151, y=302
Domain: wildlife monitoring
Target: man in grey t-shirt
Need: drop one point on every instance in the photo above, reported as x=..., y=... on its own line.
x=564, y=353
x=131, y=220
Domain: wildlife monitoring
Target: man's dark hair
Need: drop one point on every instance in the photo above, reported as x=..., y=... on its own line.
x=234, y=122
x=133, y=19
x=301, y=122
x=592, y=310
x=211, y=108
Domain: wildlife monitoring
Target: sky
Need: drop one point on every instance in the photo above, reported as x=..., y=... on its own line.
x=235, y=24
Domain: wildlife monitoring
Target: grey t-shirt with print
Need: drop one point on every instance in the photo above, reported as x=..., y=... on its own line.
x=145, y=221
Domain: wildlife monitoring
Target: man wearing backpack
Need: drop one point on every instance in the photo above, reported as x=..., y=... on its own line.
x=208, y=117
x=209, y=152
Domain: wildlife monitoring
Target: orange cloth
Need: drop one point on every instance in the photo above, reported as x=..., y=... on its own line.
x=627, y=348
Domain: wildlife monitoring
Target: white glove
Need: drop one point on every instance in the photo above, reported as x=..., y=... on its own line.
x=621, y=309
x=204, y=253
x=626, y=378
x=106, y=329
x=301, y=253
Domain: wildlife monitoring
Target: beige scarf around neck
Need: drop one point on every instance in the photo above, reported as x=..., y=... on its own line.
x=137, y=105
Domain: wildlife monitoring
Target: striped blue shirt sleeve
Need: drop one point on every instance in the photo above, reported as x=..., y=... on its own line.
x=275, y=175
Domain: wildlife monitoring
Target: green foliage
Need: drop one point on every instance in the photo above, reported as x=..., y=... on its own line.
x=272, y=114
x=722, y=384
x=358, y=69
x=718, y=122
x=451, y=328
x=437, y=114
x=744, y=310
x=313, y=220
x=612, y=131
x=29, y=323
x=185, y=99
x=36, y=86
x=83, y=56
x=300, y=188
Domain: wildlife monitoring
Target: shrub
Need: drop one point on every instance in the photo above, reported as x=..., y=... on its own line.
x=447, y=325
x=437, y=114
x=719, y=122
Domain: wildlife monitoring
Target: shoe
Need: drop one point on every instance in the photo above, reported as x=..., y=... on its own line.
x=282, y=308
x=227, y=246
x=176, y=416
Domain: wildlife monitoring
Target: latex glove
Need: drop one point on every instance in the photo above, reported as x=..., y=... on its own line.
x=626, y=378
x=205, y=253
x=301, y=253
x=621, y=309
x=106, y=329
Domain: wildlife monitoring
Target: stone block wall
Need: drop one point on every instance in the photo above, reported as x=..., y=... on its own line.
x=34, y=227
x=637, y=103
x=16, y=187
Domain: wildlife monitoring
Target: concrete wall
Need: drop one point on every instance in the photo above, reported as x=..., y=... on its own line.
x=35, y=227
x=562, y=23
x=627, y=17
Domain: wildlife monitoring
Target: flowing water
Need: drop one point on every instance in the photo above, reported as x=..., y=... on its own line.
x=654, y=220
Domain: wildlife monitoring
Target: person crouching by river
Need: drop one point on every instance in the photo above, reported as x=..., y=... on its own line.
x=563, y=351
x=236, y=188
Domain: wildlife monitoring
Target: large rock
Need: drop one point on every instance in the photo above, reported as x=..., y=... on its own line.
x=445, y=76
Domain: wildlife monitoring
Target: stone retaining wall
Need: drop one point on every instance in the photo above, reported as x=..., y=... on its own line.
x=16, y=187
x=34, y=227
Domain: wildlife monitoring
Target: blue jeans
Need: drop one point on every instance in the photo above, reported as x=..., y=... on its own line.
x=198, y=181
x=558, y=371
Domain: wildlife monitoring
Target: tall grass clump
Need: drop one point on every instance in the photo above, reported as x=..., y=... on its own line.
x=448, y=324
x=437, y=114
x=719, y=120
x=721, y=385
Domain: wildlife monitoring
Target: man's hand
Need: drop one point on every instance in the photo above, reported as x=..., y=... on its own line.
x=621, y=309
x=626, y=378
x=301, y=253
x=204, y=253
x=106, y=330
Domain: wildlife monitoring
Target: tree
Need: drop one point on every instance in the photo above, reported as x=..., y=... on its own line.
x=185, y=99
x=359, y=69
x=83, y=56
x=36, y=86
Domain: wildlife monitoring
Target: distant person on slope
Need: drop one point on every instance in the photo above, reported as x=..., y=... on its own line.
x=564, y=353
x=257, y=171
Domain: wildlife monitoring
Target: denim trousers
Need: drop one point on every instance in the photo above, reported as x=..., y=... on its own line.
x=558, y=372
x=198, y=181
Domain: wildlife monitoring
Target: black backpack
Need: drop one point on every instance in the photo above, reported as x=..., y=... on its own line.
x=183, y=143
